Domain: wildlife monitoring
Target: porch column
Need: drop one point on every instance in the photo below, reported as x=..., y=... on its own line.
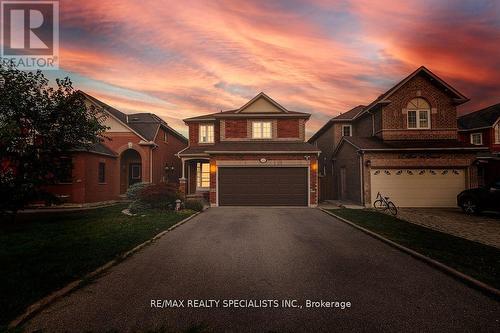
x=182, y=180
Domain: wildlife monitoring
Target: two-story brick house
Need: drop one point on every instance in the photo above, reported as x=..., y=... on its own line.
x=253, y=155
x=139, y=147
x=403, y=145
x=482, y=128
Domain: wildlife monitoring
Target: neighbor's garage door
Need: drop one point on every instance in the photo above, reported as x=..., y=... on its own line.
x=264, y=186
x=418, y=187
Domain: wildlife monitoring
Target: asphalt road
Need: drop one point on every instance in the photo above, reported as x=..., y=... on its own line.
x=272, y=254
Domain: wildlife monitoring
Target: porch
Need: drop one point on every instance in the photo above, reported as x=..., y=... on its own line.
x=195, y=179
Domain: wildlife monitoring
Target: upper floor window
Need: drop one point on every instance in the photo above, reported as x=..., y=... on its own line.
x=346, y=130
x=497, y=133
x=476, y=138
x=165, y=137
x=261, y=130
x=207, y=133
x=419, y=112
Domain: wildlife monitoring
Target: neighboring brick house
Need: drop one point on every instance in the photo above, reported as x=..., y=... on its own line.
x=254, y=155
x=482, y=128
x=139, y=147
x=404, y=145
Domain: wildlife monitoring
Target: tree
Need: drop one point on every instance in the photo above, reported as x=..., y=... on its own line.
x=38, y=125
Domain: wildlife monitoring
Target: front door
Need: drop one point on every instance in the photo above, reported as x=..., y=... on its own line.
x=134, y=173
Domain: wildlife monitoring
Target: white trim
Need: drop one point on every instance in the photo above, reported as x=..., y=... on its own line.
x=496, y=136
x=417, y=119
x=350, y=129
x=261, y=122
x=207, y=136
x=216, y=185
x=480, y=138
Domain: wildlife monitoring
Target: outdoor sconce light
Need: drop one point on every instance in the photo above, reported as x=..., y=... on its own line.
x=368, y=163
x=314, y=166
x=169, y=168
x=213, y=168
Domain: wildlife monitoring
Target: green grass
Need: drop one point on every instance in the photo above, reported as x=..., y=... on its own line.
x=42, y=253
x=472, y=258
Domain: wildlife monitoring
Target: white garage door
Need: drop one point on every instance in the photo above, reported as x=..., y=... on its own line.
x=418, y=187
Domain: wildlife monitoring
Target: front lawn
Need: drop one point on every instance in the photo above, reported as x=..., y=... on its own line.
x=42, y=252
x=474, y=259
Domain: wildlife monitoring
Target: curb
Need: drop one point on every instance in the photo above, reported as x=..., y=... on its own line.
x=466, y=279
x=51, y=298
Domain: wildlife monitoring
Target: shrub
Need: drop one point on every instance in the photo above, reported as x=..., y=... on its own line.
x=196, y=205
x=160, y=195
x=138, y=206
x=133, y=190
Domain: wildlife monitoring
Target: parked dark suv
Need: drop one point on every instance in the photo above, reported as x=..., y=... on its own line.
x=475, y=200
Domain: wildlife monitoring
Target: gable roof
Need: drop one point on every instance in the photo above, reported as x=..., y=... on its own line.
x=237, y=113
x=343, y=117
x=262, y=95
x=483, y=118
x=145, y=125
x=384, y=98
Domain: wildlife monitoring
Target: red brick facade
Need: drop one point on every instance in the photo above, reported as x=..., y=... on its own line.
x=86, y=186
x=288, y=128
x=234, y=129
x=127, y=150
x=443, y=118
x=381, y=139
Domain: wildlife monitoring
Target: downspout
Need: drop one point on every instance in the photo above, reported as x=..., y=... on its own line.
x=362, y=178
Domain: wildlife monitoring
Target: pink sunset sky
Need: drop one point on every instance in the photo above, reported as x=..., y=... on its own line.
x=180, y=59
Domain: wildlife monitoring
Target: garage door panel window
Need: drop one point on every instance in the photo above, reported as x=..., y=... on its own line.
x=419, y=187
x=202, y=175
x=261, y=130
x=418, y=114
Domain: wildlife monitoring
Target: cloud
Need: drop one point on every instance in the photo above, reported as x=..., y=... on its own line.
x=324, y=57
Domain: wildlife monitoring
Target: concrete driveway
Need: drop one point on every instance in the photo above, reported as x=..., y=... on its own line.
x=272, y=254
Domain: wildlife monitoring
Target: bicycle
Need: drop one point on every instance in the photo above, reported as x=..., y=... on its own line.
x=383, y=203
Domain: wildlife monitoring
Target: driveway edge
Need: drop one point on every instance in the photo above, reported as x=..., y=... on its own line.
x=46, y=301
x=466, y=279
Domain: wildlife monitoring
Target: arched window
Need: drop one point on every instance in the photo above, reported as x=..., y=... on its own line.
x=419, y=112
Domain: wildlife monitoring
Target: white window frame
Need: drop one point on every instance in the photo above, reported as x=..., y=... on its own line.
x=200, y=179
x=206, y=133
x=496, y=130
x=418, y=118
x=350, y=130
x=480, y=142
x=259, y=132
